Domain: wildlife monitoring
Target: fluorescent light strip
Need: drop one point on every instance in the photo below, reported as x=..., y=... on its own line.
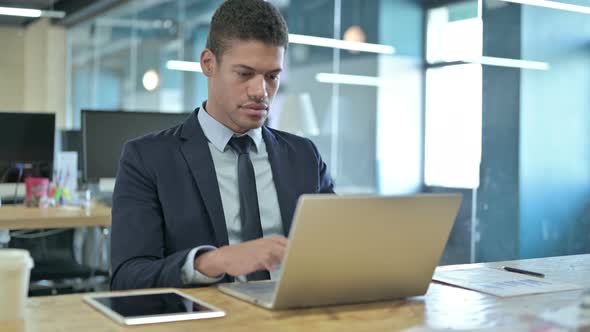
x=20, y=12
x=376, y=81
x=348, y=79
x=26, y=12
x=553, y=5
x=184, y=65
x=511, y=63
x=53, y=14
x=341, y=44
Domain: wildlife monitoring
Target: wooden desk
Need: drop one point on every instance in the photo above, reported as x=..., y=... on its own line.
x=443, y=306
x=21, y=217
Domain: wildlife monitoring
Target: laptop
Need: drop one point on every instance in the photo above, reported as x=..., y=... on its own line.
x=353, y=249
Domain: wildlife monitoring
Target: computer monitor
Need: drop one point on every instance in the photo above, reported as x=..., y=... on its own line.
x=26, y=145
x=105, y=132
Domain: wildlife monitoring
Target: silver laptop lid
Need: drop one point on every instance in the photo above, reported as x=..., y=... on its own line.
x=351, y=249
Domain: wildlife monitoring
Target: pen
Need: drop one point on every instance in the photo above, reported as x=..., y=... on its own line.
x=515, y=270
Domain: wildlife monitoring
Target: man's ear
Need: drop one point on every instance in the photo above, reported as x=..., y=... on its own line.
x=208, y=62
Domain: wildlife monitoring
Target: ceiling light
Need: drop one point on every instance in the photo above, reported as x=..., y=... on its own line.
x=26, y=12
x=341, y=44
x=184, y=65
x=553, y=5
x=348, y=79
x=355, y=34
x=151, y=80
x=511, y=63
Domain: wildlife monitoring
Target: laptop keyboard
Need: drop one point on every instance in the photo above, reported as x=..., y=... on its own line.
x=262, y=291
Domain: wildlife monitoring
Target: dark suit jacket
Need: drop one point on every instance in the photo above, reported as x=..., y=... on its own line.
x=167, y=201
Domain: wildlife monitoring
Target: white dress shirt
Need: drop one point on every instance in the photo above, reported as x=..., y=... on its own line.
x=225, y=161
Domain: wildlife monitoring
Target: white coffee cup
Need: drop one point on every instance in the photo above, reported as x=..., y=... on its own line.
x=15, y=268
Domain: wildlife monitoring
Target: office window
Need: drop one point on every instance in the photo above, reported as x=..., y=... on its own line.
x=453, y=97
x=453, y=126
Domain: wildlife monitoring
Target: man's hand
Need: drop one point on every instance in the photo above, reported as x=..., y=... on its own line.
x=244, y=258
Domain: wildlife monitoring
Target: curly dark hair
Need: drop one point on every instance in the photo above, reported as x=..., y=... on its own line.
x=246, y=20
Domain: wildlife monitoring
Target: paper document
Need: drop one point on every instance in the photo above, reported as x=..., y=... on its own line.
x=499, y=282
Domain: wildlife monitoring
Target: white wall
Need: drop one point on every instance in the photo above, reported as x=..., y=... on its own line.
x=12, y=68
x=32, y=69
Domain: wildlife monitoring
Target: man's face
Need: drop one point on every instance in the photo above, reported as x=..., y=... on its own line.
x=242, y=83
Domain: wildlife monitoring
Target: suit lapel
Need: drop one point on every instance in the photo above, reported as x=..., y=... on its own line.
x=195, y=150
x=278, y=156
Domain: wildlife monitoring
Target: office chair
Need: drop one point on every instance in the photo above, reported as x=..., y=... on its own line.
x=56, y=269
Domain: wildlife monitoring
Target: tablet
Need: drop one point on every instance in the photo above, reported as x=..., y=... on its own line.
x=148, y=307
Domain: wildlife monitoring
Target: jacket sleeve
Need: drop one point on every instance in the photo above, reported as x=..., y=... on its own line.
x=138, y=256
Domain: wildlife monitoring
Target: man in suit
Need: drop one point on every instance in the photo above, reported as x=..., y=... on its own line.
x=212, y=199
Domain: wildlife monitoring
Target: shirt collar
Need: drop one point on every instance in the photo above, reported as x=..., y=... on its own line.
x=219, y=135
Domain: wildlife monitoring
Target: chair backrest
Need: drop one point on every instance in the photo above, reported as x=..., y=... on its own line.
x=56, y=245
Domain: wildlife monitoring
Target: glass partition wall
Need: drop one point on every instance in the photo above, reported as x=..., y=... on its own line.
x=486, y=98
x=506, y=124
x=350, y=63
x=534, y=193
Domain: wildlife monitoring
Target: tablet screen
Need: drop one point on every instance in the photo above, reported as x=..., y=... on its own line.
x=150, y=304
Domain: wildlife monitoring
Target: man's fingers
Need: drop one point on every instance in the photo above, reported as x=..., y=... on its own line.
x=261, y=254
x=273, y=256
x=277, y=255
x=279, y=240
x=272, y=265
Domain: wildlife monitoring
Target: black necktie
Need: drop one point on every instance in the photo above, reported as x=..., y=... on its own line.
x=249, y=211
